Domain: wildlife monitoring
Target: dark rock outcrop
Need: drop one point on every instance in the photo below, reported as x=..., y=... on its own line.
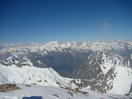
x=8, y=87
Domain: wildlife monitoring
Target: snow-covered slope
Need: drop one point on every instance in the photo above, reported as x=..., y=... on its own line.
x=122, y=81
x=31, y=75
x=109, y=61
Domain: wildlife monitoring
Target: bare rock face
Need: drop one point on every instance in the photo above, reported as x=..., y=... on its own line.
x=8, y=87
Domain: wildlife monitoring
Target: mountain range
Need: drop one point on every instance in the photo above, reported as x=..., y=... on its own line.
x=102, y=66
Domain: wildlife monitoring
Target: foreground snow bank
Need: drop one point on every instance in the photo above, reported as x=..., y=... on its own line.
x=50, y=92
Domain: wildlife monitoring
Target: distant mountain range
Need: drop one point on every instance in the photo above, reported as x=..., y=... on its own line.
x=99, y=65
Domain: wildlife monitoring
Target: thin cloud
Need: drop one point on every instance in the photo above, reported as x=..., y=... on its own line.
x=105, y=29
